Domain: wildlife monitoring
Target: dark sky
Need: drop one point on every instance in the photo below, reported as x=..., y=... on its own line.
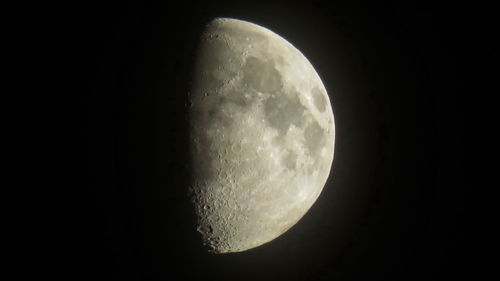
x=102, y=140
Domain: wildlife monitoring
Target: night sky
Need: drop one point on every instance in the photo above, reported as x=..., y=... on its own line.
x=102, y=141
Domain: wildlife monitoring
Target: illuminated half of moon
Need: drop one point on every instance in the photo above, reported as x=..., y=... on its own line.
x=261, y=135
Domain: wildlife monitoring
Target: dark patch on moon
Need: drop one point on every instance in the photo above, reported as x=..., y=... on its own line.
x=315, y=138
x=290, y=160
x=212, y=113
x=318, y=99
x=219, y=118
x=282, y=110
x=261, y=75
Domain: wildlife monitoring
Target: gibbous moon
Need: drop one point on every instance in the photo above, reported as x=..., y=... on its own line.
x=261, y=135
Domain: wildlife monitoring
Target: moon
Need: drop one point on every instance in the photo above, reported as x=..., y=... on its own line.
x=261, y=135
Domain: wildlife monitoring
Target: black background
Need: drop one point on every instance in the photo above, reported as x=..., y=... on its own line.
x=102, y=141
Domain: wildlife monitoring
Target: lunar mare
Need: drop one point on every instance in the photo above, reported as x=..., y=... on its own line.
x=262, y=135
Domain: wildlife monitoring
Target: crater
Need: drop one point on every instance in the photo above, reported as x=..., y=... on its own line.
x=261, y=75
x=318, y=99
x=282, y=110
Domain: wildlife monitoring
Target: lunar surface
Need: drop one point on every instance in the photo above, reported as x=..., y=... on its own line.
x=262, y=135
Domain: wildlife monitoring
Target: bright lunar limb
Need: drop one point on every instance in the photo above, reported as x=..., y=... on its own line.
x=261, y=135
